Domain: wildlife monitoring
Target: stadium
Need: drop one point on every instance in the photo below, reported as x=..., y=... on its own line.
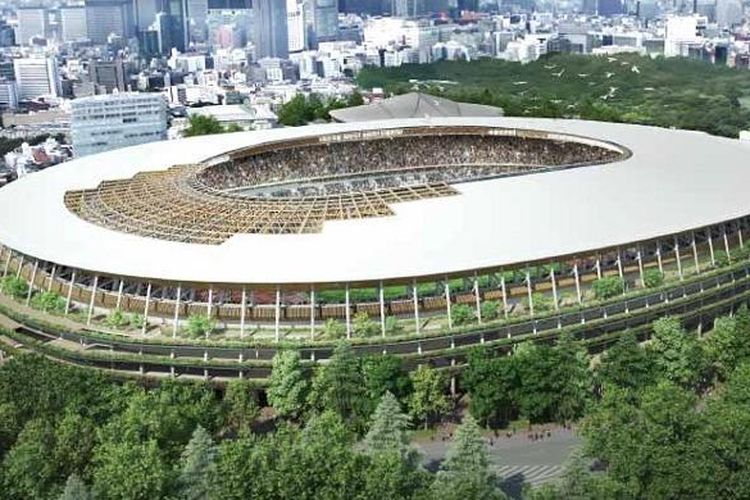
x=419, y=237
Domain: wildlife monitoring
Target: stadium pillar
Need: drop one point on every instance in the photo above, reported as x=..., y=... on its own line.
x=619, y=267
x=726, y=244
x=711, y=246
x=528, y=292
x=639, y=256
x=210, y=303
x=381, y=298
x=312, y=312
x=145, y=309
x=70, y=292
x=119, y=294
x=7, y=263
x=176, y=320
x=554, y=287
x=739, y=234
x=243, y=309
x=577, y=278
x=505, y=296
x=51, y=278
x=31, y=284
x=20, y=266
x=658, y=256
x=277, y=315
x=476, y=299
x=91, y=301
x=695, y=252
x=677, y=256
x=348, y=312
x=415, y=296
x=598, y=266
x=447, y=289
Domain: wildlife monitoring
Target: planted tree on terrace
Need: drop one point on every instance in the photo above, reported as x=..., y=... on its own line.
x=289, y=386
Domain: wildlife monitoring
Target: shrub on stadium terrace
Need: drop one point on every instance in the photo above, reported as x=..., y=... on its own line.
x=116, y=319
x=742, y=253
x=489, y=309
x=334, y=329
x=608, y=287
x=363, y=326
x=461, y=314
x=200, y=325
x=392, y=326
x=48, y=302
x=15, y=287
x=137, y=320
x=653, y=278
x=721, y=259
x=541, y=302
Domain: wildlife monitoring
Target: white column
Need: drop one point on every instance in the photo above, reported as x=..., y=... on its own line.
x=31, y=285
x=578, y=283
x=505, y=296
x=528, y=292
x=415, y=296
x=145, y=309
x=639, y=256
x=447, y=290
x=70, y=292
x=243, y=311
x=677, y=256
x=119, y=294
x=348, y=312
x=20, y=266
x=726, y=244
x=695, y=253
x=278, y=314
x=619, y=265
x=176, y=321
x=554, y=287
x=52, y=277
x=739, y=234
x=312, y=312
x=711, y=247
x=598, y=268
x=209, y=305
x=477, y=300
x=381, y=299
x=91, y=302
x=658, y=256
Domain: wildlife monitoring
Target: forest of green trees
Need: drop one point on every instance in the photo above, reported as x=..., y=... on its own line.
x=665, y=419
x=675, y=92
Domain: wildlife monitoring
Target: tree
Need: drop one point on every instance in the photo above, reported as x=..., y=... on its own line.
x=29, y=470
x=579, y=483
x=363, y=326
x=203, y=125
x=15, y=287
x=608, y=287
x=48, y=302
x=240, y=405
x=489, y=309
x=428, y=401
x=288, y=386
x=75, y=489
x=333, y=329
x=388, y=428
x=339, y=386
x=200, y=325
x=626, y=364
x=653, y=278
x=75, y=438
x=385, y=373
x=465, y=472
x=198, y=465
x=130, y=471
x=678, y=353
x=489, y=381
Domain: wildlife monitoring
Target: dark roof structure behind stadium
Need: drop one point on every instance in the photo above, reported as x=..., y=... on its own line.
x=414, y=105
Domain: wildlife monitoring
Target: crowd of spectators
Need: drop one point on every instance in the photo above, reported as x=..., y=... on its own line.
x=338, y=167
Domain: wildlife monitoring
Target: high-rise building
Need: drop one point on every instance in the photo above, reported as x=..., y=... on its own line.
x=108, y=74
x=8, y=95
x=270, y=30
x=609, y=8
x=32, y=21
x=106, y=17
x=144, y=13
x=296, y=26
x=197, y=11
x=172, y=24
x=105, y=122
x=7, y=35
x=728, y=12
x=73, y=23
x=322, y=20
x=370, y=7
x=36, y=76
x=470, y=5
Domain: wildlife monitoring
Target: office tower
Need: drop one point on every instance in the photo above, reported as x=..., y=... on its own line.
x=728, y=12
x=369, y=7
x=32, y=21
x=609, y=8
x=8, y=95
x=171, y=23
x=106, y=122
x=108, y=74
x=144, y=13
x=7, y=35
x=105, y=17
x=197, y=11
x=470, y=5
x=73, y=23
x=270, y=30
x=36, y=77
x=322, y=20
x=296, y=26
